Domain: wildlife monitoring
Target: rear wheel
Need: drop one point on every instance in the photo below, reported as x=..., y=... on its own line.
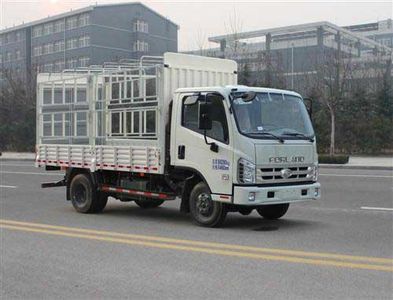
x=204, y=210
x=84, y=197
x=149, y=203
x=274, y=211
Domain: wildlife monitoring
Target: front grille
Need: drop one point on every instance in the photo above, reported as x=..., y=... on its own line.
x=268, y=174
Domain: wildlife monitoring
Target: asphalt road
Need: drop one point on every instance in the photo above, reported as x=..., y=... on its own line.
x=337, y=248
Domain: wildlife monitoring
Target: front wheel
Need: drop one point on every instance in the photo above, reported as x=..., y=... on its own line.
x=205, y=211
x=274, y=211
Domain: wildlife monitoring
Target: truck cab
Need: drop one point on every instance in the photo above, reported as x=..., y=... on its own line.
x=251, y=147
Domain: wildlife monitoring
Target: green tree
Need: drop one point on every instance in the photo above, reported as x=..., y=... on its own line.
x=17, y=112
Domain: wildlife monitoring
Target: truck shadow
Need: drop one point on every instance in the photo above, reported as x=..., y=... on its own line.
x=234, y=221
x=256, y=223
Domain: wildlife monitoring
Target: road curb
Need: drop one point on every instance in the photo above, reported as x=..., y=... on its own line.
x=354, y=167
x=16, y=159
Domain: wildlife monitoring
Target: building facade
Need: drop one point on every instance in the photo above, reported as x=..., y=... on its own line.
x=289, y=56
x=88, y=36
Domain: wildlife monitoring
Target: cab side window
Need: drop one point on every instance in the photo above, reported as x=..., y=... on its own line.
x=190, y=116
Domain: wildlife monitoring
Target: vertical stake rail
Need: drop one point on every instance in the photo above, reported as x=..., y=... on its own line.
x=57, y=153
x=38, y=116
x=106, y=91
x=115, y=156
x=130, y=157
x=69, y=154
x=147, y=157
x=82, y=150
x=91, y=95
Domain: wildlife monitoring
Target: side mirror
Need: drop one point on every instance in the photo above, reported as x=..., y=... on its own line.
x=308, y=104
x=248, y=96
x=204, y=120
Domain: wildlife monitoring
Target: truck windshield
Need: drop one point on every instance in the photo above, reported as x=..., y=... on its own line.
x=283, y=115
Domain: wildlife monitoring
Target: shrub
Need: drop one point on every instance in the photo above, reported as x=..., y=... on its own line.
x=336, y=159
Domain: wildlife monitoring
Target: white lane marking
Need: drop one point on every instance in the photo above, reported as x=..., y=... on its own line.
x=8, y=186
x=342, y=210
x=30, y=173
x=377, y=208
x=358, y=175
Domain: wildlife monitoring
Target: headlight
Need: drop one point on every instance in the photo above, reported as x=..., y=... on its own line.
x=246, y=171
x=315, y=172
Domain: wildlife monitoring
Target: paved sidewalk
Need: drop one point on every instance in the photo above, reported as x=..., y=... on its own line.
x=355, y=162
x=17, y=156
x=365, y=162
x=371, y=161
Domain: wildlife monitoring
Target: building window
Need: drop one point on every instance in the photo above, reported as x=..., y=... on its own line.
x=37, y=51
x=59, y=26
x=18, y=36
x=8, y=56
x=386, y=41
x=72, y=43
x=72, y=63
x=84, y=20
x=59, y=65
x=72, y=23
x=84, y=41
x=1, y=58
x=9, y=38
x=37, y=31
x=18, y=55
x=47, y=49
x=47, y=67
x=140, y=46
x=48, y=29
x=59, y=46
x=1, y=40
x=84, y=61
x=141, y=26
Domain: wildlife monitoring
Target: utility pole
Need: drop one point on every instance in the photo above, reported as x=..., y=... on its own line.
x=292, y=67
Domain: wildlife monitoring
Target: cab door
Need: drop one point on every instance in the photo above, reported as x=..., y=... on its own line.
x=190, y=149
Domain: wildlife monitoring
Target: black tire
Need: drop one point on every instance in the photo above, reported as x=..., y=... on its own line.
x=204, y=211
x=149, y=203
x=84, y=196
x=274, y=211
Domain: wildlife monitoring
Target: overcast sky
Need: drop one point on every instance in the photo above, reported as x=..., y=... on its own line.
x=201, y=19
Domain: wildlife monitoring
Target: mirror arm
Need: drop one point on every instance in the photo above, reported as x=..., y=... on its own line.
x=213, y=145
x=230, y=104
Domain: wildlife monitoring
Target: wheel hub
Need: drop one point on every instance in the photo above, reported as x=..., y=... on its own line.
x=80, y=194
x=204, y=204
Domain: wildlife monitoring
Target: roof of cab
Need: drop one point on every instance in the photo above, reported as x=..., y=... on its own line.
x=226, y=90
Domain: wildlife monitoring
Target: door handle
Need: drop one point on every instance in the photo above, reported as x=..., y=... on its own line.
x=181, y=152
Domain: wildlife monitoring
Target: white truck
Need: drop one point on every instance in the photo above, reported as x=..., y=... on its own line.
x=176, y=126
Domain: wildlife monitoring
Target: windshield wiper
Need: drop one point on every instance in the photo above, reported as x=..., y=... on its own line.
x=270, y=134
x=299, y=134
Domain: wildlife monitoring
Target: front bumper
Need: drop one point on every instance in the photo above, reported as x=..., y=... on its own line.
x=243, y=195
